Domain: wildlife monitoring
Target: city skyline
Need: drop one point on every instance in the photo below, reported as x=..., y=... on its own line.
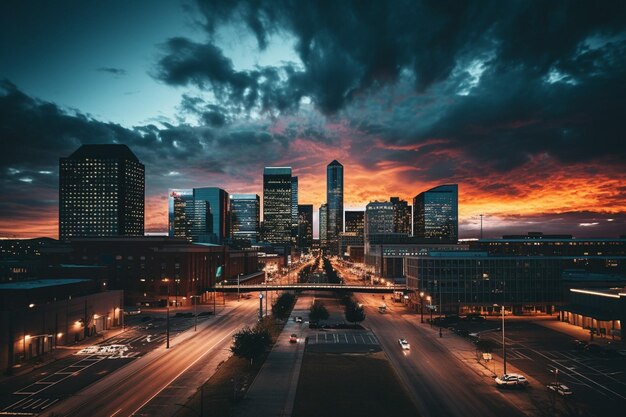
x=529, y=128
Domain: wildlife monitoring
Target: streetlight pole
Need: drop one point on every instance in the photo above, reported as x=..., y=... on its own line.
x=503, y=342
x=238, y=284
x=422, y=306
x=167, y=314
x=440, y=310
x=195, y=312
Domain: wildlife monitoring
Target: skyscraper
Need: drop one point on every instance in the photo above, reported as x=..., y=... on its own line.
x=323, y=226
x=245, y=215
x=101, y=192
x=294, y=210
x=199, y=214
x=179, y=202
x=355, y=222
x=277, y=204
x=305, y=225
x=436, y=214
x=218, y=207
x=401, y=216
x=334, y=201
x=378, y=218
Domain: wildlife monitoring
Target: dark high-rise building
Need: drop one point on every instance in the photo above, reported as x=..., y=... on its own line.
x=277, y=208
x=401, y=216
x=378, y=218
x=334, y=201
x=436, y=214
x=101, y=193
x=199, y=215
x=217, y=218
x=178, y=201
x=294, y=210
x=355, y=222
x=245, y=215
x=323, y=226
x=305, y=225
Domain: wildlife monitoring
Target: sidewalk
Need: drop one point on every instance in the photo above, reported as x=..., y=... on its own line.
x=575, y=332
x=273, y=391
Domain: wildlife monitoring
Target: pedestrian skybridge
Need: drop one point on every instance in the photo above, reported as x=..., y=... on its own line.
x=380, y=289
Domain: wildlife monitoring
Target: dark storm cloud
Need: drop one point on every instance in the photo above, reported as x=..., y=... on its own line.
x=205, y=65
x=113, y=71
x=347, y=47
x=35, y=134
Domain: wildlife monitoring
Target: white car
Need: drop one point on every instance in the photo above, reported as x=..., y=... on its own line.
x=559, y=388
x=404, y=344
x=511, y=380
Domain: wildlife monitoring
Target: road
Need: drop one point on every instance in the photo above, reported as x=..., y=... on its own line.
x=127, y=391
x=438, y=382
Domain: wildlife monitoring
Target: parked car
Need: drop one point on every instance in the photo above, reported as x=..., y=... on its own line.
x=579, y=344
x=559, y=388
x=511, y=380
x=404, y=344
x=293, y=338
x=595, y=349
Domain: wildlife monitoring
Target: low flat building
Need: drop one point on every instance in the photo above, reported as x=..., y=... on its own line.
x=38, y=315
x=152, y=270
x=601, y=311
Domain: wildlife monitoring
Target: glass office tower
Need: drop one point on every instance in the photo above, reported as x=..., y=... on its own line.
x=355, y=222
x=378, y=218
x=323, y=226
x=436, y=214
x=334, y=201
x=217, y=219
x=305, y=225
x=277, y=204
x=401, y=216
x=294, y=210
x=244, y=215
x=101, y=192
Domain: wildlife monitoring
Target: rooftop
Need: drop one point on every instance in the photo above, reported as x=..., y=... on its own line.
x=40, y=283
x=107, y=151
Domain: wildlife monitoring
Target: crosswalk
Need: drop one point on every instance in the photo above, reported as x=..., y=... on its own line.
x=153, y=338
x=343, y=338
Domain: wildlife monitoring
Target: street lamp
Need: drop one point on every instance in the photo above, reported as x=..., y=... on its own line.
x=167, y=314
x=238, y=284
x=430, y=307
x=177, y=281
x=422, y=306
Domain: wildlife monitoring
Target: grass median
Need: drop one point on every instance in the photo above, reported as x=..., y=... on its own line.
x=339, y=385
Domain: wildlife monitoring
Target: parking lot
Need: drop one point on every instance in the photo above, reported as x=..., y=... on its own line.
x=596, y=377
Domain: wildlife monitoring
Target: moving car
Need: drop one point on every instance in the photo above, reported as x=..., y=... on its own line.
x=298, y=319
x=293, y=338
x=559, y=388
x=511, y=380
x=404, y=344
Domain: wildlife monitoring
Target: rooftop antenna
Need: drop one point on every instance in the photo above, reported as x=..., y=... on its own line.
x=481, y=227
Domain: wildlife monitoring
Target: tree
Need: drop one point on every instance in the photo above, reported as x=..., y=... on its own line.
x=282, y=307
x=251, y=343
x=486, y=345
x=354, y=312
x=318, y=311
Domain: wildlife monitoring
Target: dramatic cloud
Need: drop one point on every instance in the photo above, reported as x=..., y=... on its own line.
x=519, y=102
x=113, y=71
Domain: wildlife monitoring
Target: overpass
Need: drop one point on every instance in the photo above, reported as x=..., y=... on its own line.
x=378, y=289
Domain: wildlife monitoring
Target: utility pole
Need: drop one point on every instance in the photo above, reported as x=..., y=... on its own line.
x=503, y=342
x=261, y=305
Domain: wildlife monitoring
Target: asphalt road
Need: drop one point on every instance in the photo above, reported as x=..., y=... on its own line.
x=438, y=382
x=129, y=389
